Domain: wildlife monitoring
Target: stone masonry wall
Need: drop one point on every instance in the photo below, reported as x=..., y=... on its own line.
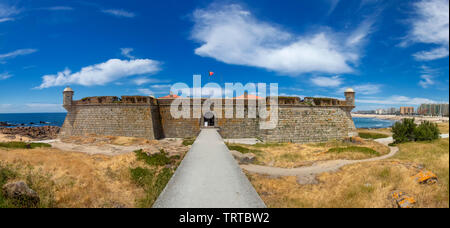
x=114, y=120
x=310, y=124
x=153, y=120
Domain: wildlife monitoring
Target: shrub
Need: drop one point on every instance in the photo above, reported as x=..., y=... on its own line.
x=404, y=131
x=426, y=131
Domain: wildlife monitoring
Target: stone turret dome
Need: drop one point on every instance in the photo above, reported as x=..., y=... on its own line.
x=68, y=89
x=349, y=90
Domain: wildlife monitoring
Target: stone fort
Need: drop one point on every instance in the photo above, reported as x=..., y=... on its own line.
x=299, y=121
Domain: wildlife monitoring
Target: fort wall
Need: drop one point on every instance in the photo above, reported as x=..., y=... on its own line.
x=299, y=121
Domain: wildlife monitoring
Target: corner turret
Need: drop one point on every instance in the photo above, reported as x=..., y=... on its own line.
x=350, y=97
x=67, y=98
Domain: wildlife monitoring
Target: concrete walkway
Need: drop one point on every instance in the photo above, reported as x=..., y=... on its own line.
x=209, y=177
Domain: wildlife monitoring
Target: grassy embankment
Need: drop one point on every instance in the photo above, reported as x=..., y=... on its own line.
x=367, y=184
x=290, y=155
x=72, y=179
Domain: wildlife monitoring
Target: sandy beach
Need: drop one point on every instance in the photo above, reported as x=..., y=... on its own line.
x=434, y=119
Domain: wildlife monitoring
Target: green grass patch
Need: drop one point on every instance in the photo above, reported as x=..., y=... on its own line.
x=23, y=145
x=242, y=149
x=188, y=142
x=368, y=135
x=160, y=159
x=266, y=145
x=357, y=149
x=153, y=184
x=36, y=181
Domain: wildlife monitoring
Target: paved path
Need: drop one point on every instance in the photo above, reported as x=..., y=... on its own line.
x=209, y=177
x=320, y=167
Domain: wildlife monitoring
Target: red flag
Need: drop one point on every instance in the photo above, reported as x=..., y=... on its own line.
x=211, y=73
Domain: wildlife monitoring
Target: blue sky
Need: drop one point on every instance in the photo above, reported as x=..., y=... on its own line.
x=392, y=52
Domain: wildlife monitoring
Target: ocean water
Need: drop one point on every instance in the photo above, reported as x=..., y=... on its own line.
x=57, y=119
x=33, y=119
x=372, y=122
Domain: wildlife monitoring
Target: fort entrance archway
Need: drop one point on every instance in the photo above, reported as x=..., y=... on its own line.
x=208, y=120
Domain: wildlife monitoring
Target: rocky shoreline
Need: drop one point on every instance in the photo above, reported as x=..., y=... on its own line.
x=41, y=133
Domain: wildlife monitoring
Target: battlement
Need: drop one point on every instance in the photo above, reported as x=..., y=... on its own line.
x=107, y=100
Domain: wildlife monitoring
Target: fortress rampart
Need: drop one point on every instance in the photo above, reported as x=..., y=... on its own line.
x=308, y=120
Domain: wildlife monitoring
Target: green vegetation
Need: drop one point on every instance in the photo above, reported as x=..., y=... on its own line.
x=369, y=135
x=152, y=184
x=23, y=145
x=265, y=145
x=364, y=150
x=188, y=142
x=408, y=131
x=242, y=149
x=39, y=183
x=6, y=173
x=156, y=159
x=426, y=131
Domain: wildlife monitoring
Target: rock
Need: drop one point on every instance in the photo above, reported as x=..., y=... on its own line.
x=41, y=133
x=20, y=194
x=425, y=177
x=307, y=179
x=243, y=158
x=5, y=124
x=402, y=200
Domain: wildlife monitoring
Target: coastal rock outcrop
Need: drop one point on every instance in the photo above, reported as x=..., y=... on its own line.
x=45, y=132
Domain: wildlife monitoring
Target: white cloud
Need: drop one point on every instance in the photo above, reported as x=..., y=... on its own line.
x=102, y=73
x=4, y=76
x=431, y=26
x=146, y=92
x=232, y=35
x=16, y=53
x=161, y=86
x=58, y=8
x=395, y=100
x=119, y=13
x=436, y=53
x=31, y=108
x=426, y=81
x=334, y=81
x=7, y=12
x=6, y=19
x=144, y=80
x=126, y=52
x=364, y=89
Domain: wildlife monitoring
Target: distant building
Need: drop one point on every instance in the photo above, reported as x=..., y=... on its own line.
x=380, y=111
x=392, y=111
x=366, y=112
x=433, y=109
x=406, y=110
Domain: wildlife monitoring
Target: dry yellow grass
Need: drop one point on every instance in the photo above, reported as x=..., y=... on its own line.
x=292, y=155
x=366, y=184
x=443, y=128
x=386, y=131
x=82, y=180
